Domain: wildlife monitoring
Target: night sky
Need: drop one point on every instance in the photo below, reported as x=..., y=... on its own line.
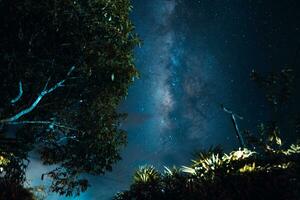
x=196, y=55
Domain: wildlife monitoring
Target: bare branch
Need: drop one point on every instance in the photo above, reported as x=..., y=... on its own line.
x=50, y=123
x=64, y=139
x=71, y=70
x=236, y=128
x=231, y=112
x=15, y=100
x=44, y=92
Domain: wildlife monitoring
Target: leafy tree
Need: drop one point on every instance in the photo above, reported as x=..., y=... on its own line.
x=279, y=89
x=278, y=86
x=9, y=190
x=65, y=67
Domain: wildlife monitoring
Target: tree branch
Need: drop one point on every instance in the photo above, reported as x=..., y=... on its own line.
x=44, y=92
x=15, y=100
x=236, y=128
x=50, y=123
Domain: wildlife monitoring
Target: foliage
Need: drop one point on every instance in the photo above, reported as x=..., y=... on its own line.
x=65, y=67
x=277, y=85
x=12, y=191
x=266, y=169
x=147, y=179
x=280, y=89
x=240, y=174
x=267, y=138
x=146, y=174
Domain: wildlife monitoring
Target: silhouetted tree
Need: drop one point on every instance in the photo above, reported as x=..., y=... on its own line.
x=280, y=91
x=65, y=67
x=241, y=174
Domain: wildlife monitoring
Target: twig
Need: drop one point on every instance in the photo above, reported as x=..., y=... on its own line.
x=13, y=101
x=236, y=128
x=43, y=122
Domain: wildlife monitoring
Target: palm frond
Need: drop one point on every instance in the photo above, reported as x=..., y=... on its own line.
x=146, y=174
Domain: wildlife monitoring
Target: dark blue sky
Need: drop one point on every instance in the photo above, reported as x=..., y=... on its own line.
x=197, y=54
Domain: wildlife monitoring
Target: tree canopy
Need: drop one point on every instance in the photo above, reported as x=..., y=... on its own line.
x=65, y=67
